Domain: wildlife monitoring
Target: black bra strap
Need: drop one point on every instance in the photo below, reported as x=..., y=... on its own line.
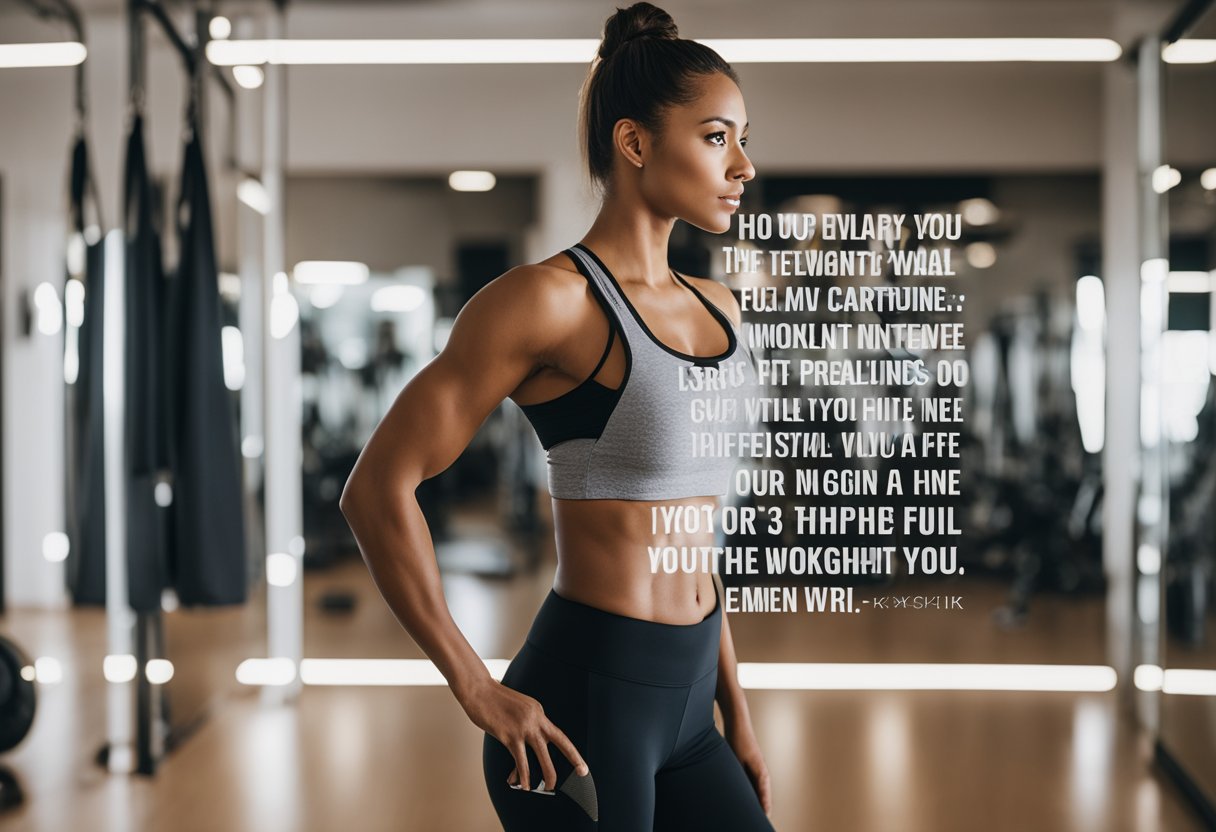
x=607, y=349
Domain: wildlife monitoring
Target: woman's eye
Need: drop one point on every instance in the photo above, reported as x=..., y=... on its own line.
x=713, y=137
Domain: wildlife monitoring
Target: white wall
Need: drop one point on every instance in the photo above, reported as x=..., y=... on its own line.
x=388, y=222
x=809, y=118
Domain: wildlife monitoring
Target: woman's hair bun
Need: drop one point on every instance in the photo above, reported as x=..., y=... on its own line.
x=641, y=20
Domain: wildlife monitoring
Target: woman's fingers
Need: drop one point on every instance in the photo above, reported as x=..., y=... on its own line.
x=558, y=738
x=548, y=772
x=520, y=752
x=541, y=744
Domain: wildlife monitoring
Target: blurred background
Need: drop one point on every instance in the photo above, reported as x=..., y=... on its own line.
x=228, y=239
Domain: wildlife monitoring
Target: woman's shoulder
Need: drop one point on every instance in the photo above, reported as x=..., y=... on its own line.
x=550, y=284
x=544, y=294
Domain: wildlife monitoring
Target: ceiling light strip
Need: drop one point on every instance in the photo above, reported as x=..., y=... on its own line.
x=735, y=50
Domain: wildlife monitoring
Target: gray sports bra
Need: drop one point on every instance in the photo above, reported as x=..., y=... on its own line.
x=654, y=436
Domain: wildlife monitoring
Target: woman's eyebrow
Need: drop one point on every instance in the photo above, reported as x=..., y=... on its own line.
x=728, y=122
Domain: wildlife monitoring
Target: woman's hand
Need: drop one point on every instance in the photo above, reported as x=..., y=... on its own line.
x=743, y=741
x=518, y=721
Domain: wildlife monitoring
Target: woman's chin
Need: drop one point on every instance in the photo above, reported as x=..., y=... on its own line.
x=717, y=224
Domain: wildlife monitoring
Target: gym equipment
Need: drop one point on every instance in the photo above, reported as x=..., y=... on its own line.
x=1040, y=490
x=18, y=704
x=145, y=389
x=208, y=515
x=18, y=695
x=84, y=477
x=1188, y=567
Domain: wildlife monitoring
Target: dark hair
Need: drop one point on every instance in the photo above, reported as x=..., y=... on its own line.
x=643, y=67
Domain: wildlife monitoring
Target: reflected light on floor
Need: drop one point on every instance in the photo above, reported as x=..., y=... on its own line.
x=889, y=743
x=269, y=755
x=1090, y=763
x=1148, y=804
x=477, y=608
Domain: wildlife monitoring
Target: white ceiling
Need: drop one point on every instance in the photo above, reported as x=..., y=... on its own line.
x=697, y=18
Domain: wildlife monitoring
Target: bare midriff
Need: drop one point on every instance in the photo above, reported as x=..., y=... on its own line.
x=603, y=558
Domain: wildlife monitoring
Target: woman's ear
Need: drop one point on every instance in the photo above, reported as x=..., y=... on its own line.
x=630, y=141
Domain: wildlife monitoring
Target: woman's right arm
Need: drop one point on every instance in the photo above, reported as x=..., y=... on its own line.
x=500, y=337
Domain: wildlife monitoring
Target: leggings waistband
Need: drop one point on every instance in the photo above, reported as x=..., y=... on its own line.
x=629, y=648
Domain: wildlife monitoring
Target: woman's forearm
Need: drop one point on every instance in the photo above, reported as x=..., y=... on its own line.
x=396, y=545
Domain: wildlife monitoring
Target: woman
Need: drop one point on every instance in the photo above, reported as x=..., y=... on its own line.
x=605, y=349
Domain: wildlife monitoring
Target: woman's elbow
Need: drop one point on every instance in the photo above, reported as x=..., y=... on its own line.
x=354, y=499
x=360, y=495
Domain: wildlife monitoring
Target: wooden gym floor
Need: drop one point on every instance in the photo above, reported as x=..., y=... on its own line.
x=406, y=759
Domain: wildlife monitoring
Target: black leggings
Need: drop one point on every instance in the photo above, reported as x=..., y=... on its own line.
x=637, y=700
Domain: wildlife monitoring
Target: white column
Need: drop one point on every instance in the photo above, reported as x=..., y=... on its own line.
x=1152, y=515
x=251, y=313
x=1121, y=452
x=120, y=619
x=281, y=346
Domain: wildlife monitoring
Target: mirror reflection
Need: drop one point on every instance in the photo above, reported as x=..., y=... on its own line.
x=1188, y=616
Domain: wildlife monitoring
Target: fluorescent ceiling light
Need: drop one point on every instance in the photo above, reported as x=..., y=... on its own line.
x=1165, y=177
x=279, y=671
x=1041, y=677
x=324, y=295
x=251, y=192
x=406, y=672
x=471, y=180
x=405, y=298
x=219, y=28
x=1091, y=303
x=1190, y=51
x=979, y=211
x=158, y=671
x=1178, y=282
x=119, y=668
x=281, y=569
x=55, y=546
x=1148, y=559
x=284, y=313
x=1148, y=677
x=251, y=447
x=232, y=348
x=229, y=285
x=1154, y=270
x=338, y=272
x=419, y=51
x=899, y=50
x=1189, y=682
x=735, y=50
x=22, y=55
x=249, y=77
x=47, y=671
x=981, y=255
x=762, y=675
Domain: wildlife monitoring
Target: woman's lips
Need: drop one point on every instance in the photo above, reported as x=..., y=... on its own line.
x=731, y=201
